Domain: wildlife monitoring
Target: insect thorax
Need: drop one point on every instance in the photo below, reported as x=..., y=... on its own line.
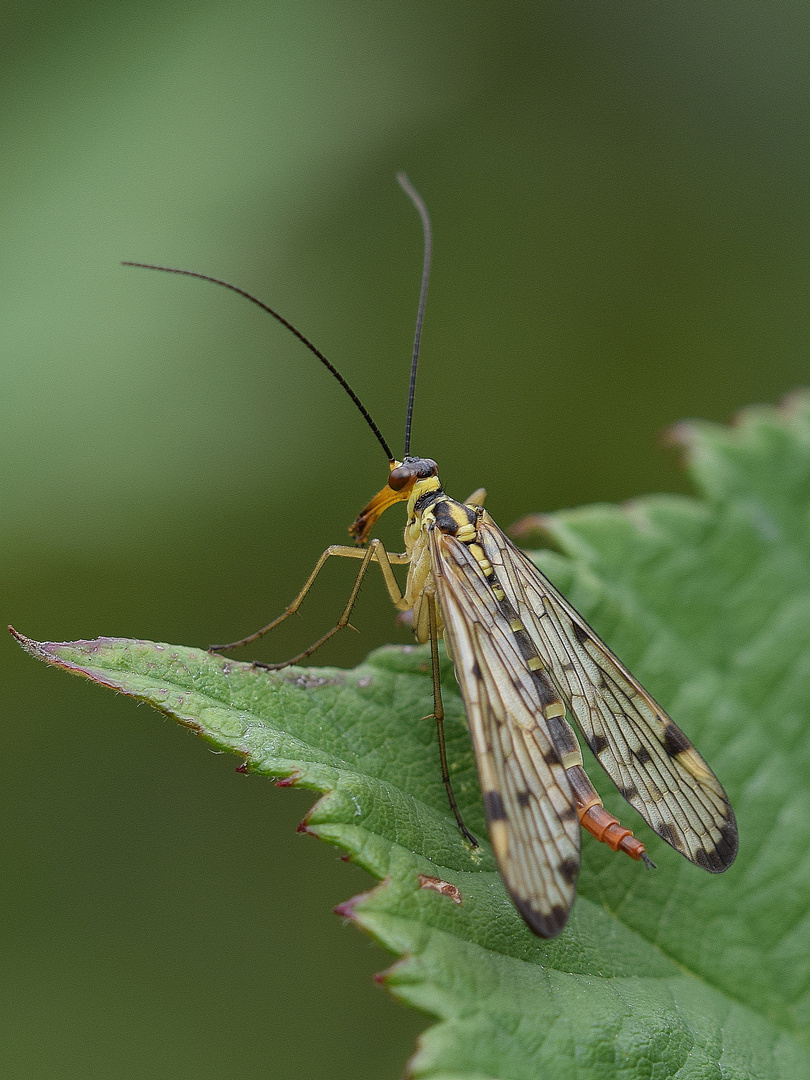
x=430, y=508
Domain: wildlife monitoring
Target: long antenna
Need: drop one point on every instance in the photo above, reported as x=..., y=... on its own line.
x=259, y=303
x=416, y=199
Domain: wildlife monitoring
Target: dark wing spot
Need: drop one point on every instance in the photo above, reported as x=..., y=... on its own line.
x=728, y=835
x=561, y=735
x=675, y=742
x=493, y=806
x=569, y=870
x=580, y=633
x=546, y=691
x=524, y=644
x=668, y=833
x=524, y=798
x=476, y=670
x=725, y=851
x=642, y=755
x=551, y=757
x=629, y=792
x=547, y=925
x=708, y=860
x=598, y=744
x=569, y=813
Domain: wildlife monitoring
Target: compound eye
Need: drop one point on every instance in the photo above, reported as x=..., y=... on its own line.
x=398, y=478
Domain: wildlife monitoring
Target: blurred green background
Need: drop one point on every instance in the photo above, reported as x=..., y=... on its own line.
x=620, y=198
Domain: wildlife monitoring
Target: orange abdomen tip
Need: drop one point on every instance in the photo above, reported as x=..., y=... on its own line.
x=609, y=830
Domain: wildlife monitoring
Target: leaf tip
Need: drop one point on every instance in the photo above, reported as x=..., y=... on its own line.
x=289, y=781
x=346, y=910
x=43, y=650
x=532, y=530
x=349, y=908
x=680, y=435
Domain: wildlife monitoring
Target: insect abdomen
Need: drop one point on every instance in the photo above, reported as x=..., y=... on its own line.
x=596, y=820
x=592, y=815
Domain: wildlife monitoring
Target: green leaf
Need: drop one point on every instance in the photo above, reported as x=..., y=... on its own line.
x=668, y=974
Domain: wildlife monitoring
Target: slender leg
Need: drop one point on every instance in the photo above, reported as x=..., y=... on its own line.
x=438, y=715
x=375, y=552
x=342, y=621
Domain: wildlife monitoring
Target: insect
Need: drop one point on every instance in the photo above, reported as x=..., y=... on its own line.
x=525, y=660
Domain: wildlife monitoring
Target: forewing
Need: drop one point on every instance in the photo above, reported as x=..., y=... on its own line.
x=650, y=760
x=533, y=824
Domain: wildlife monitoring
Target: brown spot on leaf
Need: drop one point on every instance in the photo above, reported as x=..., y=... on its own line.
x=444, y=888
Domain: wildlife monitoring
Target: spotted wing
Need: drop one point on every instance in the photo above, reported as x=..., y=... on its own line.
x=533, y=824
x=648, y=758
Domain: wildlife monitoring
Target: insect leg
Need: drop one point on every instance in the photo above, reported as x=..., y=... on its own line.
x=438, y=716
x=374, y=552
